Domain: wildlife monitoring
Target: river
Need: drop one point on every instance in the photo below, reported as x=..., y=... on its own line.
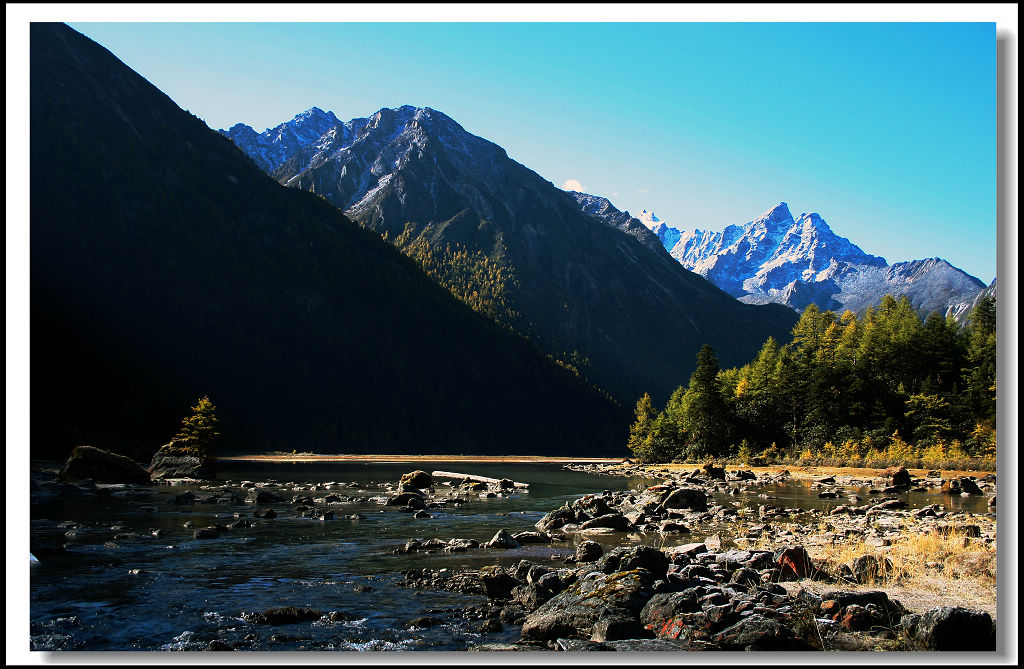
x=116, y=586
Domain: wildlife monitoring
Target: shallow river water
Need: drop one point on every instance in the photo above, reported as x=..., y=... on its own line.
x=117, y=587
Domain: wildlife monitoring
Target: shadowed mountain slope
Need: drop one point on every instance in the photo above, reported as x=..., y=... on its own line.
x=586, y=289
x=165, y=265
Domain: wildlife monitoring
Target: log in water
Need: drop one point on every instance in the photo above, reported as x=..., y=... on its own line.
x=474, y=477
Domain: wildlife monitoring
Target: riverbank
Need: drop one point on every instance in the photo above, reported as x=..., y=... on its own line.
x=317, y=457
x=490, y=566
x=927, y=565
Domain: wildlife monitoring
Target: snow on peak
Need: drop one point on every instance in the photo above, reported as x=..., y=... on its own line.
x=652, y=222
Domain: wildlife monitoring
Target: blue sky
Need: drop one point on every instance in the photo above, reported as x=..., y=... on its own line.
x=888, y=130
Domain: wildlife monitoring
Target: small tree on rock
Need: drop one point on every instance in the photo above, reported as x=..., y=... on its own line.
x=198, y=432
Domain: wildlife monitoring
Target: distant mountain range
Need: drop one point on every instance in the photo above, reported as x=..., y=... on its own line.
x=599, y=293
x=796, y=262
x=164, y=265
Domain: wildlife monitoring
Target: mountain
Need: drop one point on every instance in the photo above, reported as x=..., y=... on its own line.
x=778, y=259
x=962, y=310
x=273, y=146
x=593, y=291
x=602, y=209
x=164, y=265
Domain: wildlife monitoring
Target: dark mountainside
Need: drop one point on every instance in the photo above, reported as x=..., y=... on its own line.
x=166, y=266
x=626, y=313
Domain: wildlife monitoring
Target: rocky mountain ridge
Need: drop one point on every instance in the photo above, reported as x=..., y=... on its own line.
x=600, y=291
x=776, y=258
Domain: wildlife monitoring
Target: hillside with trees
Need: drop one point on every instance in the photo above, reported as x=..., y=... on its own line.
x=885, y=388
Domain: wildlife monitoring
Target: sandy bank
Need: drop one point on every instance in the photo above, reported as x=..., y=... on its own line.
x=520, y=459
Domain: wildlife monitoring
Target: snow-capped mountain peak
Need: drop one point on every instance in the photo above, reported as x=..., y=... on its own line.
x=776, y=258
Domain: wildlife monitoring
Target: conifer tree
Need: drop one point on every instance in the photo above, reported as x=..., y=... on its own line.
x=198, y=432
x=707, y=421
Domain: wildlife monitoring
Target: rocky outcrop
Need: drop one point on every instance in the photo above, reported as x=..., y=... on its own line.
x=951, y=628
x=575, y=612
x=89, y=462
x=170, y=462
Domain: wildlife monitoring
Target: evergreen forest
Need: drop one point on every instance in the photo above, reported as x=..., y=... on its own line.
x=884, y=388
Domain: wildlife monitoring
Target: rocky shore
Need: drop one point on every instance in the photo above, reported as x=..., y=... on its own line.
x=686, y=572
x=768, y=593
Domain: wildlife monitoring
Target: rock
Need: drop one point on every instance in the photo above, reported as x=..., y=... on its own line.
x=421, y=514
x=757, y=632
x=341, y=616
x=502, y=539
x=412, y=499
x=689, y=549
x=89, y=462
x=534, y=593
x=556, y=519
x=794, y=563
x=424, y=622
x=685, y=498
x=281, y=616
x=663, y=611
x=612, y=521
x=626, y=558
x=870, y=569
x=574, y=612
x=957, y=486
x=418, y=479
x=672, y=527
x=888, y=611
x=589, y=507
x=950, y=628
x=264, y=513
x=170, y=462
x=659, y=644
x=588, y=551
x=713, y=472
x=618, y=628
x=211, y=532
x=898, y=477
x=185, y=498
x=498, y=584
x=491, y=625
x=263, y=497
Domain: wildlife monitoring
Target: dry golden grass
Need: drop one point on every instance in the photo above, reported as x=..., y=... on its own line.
x=925, y=568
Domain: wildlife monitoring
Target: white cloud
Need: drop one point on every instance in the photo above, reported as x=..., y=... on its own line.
x=641, y=191
x=573, y=184
x=615, y=194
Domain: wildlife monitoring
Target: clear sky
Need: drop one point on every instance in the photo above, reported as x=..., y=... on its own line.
x=888, y=130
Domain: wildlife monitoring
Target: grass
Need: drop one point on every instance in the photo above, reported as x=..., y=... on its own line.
x=925, y=568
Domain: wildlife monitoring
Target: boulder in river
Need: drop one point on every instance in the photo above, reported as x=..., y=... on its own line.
x=418, y=479
x=281, y=616
x=898, y=477
x=685, y=498
x=958, y=486
x=89, y=462
x=588, y=551
x=172, y=462
x=502, y=539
